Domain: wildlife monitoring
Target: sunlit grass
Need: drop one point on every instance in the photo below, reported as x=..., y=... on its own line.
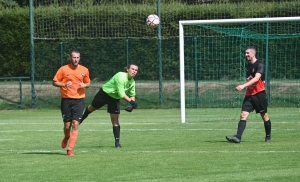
x=156, y=147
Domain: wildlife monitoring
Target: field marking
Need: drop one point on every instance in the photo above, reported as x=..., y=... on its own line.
x=152, y=123
x=154, y=129
x=108, y=123
x=150, y=151
x=222, y=151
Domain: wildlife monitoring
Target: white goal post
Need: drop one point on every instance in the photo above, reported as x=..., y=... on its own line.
x=217, y=21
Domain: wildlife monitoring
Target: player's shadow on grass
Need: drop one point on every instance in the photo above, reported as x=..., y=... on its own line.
x=216, y=141
x=225, y=141
x=45, y=153
x=103, y=146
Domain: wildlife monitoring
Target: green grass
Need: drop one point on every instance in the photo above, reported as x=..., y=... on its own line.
x=156, y=147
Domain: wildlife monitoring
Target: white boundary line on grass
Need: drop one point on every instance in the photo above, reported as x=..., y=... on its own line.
x=221, y=151
x=86, y=123
x=153, y=129
x=125, y=123
x=145, y=151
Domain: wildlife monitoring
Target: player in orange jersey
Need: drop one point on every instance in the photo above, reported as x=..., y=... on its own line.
x=72, y=79
x=255, y=98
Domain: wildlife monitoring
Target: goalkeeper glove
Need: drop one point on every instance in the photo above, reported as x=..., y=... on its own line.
x=129, y=108
x=131, y=105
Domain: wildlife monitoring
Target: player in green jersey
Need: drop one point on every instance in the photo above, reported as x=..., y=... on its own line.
x=120, y=86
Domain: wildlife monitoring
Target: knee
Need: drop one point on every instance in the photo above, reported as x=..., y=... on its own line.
x=265, y=116
x=244, y=115
x=67, y=125
x=114, y=119
x=91, y=108
x=115, y=123
x=75, y=125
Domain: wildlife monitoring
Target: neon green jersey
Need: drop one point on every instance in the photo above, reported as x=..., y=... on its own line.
x=119, y=85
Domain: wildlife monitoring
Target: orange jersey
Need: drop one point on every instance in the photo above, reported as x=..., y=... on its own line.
x=76, y=76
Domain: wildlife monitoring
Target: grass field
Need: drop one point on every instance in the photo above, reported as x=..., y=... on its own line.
x=156, y=147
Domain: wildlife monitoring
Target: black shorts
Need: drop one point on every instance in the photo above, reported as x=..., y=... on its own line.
x=71, y=109
x=259, y=102
x=102, y=98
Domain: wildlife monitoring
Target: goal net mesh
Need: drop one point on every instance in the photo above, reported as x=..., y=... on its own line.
x=214, y=64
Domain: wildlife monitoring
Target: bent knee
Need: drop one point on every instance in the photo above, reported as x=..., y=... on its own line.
x=91, y=108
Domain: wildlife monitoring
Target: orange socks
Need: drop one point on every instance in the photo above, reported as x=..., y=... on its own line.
x=73, y=138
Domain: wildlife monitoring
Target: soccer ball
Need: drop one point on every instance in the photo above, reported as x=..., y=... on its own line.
x=152, y=21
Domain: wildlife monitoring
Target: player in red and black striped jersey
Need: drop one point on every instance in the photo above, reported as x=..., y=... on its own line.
x=255, y=98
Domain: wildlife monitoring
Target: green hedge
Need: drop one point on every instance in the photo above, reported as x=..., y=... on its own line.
x=109, y=48
x=15, y=43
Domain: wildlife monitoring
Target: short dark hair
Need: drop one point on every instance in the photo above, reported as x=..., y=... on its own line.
x=128, y=66
x=251, y=47
x=75, y=51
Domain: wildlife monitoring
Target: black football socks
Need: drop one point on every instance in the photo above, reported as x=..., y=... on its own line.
x=267, y=125
x=241, y=128
x=116, y=131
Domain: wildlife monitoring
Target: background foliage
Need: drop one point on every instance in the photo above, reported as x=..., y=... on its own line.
x=126, y=23
x=110, y=34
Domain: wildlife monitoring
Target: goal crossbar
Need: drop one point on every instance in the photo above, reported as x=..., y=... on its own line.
x=216, y=21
